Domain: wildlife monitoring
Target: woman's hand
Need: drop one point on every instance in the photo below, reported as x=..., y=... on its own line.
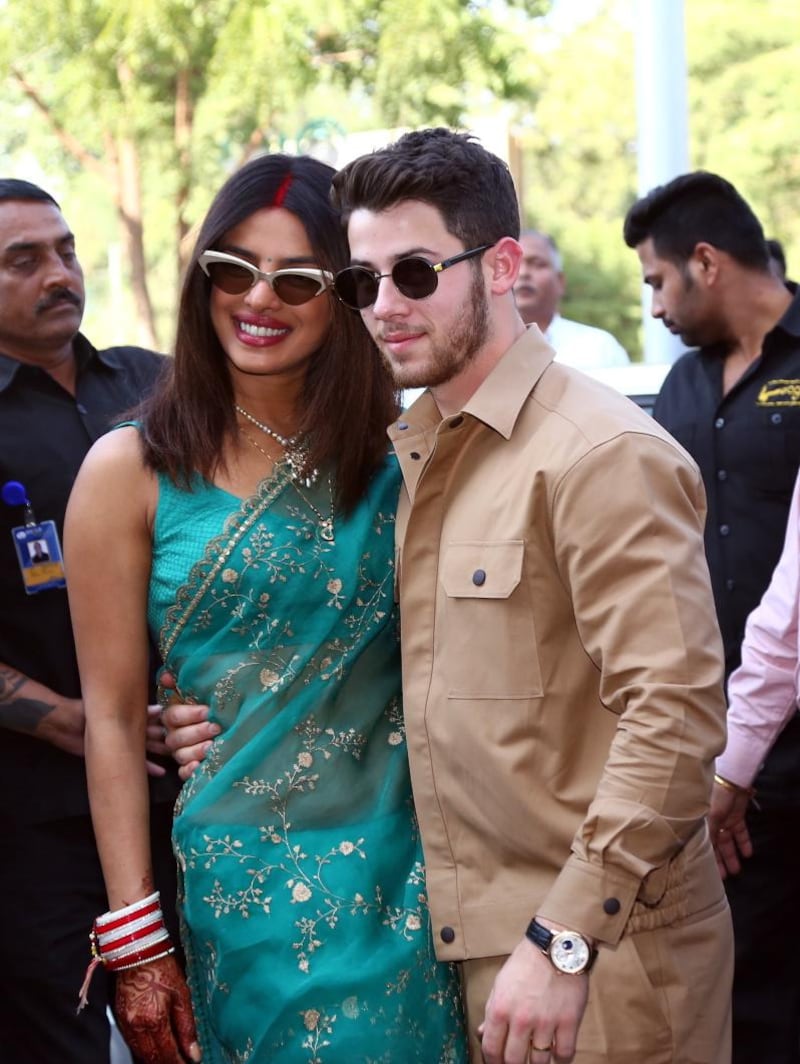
x=154, y=1013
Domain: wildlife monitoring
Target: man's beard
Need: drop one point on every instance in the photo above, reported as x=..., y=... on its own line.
x=449, y=357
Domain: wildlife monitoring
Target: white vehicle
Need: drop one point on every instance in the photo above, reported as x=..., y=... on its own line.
x=640, y=381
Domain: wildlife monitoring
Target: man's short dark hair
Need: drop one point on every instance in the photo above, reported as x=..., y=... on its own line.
x=471, y=188
x=11, y=188
x=694, y=208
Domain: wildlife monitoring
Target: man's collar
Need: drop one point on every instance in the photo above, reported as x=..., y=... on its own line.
x=499, y=400
x=81, y=348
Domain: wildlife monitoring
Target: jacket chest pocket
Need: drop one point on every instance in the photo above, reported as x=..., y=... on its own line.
x=488, y=639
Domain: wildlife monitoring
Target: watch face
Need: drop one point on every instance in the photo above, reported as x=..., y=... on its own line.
x=570, y=952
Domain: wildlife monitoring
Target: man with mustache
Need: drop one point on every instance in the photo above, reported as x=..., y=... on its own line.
x=538, y=291
x=734, y=403
x=57, y=395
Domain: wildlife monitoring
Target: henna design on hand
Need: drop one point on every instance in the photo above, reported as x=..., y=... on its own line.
x=154, y=1012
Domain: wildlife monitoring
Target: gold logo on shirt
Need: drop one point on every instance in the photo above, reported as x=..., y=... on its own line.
x=779, y=393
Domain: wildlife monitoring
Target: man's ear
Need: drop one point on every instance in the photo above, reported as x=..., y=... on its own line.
x=705, y=262
x=504, y=259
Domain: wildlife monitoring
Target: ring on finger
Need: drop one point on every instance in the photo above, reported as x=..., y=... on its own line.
x=541, y=1049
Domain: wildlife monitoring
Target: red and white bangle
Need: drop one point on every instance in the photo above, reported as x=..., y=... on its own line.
x=126, y=938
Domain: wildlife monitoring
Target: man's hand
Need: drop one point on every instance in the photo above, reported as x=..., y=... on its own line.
x=532, y=1008
x=728, y=828
x=62, y=725
x=28, y=707
x=155, y=1015
x=155, y=741
x=187, y=731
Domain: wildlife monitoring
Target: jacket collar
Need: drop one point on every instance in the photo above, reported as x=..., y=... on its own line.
x=499, y=399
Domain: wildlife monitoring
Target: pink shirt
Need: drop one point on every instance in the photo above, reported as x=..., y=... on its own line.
x=764, y=692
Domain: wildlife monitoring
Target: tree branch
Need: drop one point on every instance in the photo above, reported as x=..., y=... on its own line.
x=67, y=140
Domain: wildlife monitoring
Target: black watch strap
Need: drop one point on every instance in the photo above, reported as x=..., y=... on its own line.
x=539, y=935
x=542, y=936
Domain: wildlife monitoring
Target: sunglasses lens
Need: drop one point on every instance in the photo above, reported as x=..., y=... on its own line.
x=356, y=287
x=295, y=289
x=229, y=277
x=415, y=278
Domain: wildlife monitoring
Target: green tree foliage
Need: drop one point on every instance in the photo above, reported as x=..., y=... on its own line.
x=579, y=145
x=579, y=167
x=145, y=108
x=159, y=100
x=745, y=87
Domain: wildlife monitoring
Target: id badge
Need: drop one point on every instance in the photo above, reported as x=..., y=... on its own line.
x=39, y=556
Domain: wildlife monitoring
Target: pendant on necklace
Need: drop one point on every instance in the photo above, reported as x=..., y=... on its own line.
x=326, y=529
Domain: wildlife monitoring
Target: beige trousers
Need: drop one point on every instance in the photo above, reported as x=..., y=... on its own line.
x=659, y=997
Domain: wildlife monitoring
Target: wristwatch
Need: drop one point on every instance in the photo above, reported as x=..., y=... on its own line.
x=568, y=951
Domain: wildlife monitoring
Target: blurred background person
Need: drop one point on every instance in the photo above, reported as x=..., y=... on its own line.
x=538, y=292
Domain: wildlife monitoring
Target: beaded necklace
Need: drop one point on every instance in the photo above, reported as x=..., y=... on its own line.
x=326, y=524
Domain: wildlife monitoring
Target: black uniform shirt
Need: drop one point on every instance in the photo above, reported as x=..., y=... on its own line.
x=747, y=445
x=44, y=435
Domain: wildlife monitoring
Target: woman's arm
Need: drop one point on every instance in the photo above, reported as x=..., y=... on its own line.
x=107, y=553
x=107, y=550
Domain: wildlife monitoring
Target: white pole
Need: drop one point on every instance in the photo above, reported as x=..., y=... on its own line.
x=663, y=129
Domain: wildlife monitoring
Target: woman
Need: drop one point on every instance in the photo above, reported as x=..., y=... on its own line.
x=248, y=517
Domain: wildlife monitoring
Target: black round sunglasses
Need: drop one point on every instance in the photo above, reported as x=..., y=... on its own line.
x=414, y=277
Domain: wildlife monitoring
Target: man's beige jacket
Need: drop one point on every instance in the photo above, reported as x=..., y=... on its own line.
x=561, y=660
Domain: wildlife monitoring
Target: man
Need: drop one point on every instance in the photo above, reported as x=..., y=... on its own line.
x=57, y=395
x=561, y=727
x=734, y=403
x=764, y=695
x=538, y=291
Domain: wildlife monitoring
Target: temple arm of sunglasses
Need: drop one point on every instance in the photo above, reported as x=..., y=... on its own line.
x=439, y=266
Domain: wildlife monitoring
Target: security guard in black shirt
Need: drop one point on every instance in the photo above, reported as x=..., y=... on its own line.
x=734, y=404
x=57, y=395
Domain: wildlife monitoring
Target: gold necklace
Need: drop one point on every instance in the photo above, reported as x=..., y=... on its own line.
x=294, y=447
x=326, y=524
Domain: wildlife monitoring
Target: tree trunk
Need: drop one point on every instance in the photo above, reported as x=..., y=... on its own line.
x=184, y=116
x=128, y=198
x=121, y=170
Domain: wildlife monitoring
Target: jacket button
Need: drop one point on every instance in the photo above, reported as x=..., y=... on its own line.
x=611, y=906
x=479, y=577
x=414, y=455
x=402, y=425
x=447, y=934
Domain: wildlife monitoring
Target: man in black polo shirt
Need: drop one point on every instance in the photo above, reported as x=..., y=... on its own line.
x=57, y=395
x=734, y=404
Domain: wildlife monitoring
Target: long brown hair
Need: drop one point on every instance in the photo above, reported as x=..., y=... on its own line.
x=349, y=397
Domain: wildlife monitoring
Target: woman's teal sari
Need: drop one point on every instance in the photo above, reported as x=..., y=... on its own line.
x=303, y=902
